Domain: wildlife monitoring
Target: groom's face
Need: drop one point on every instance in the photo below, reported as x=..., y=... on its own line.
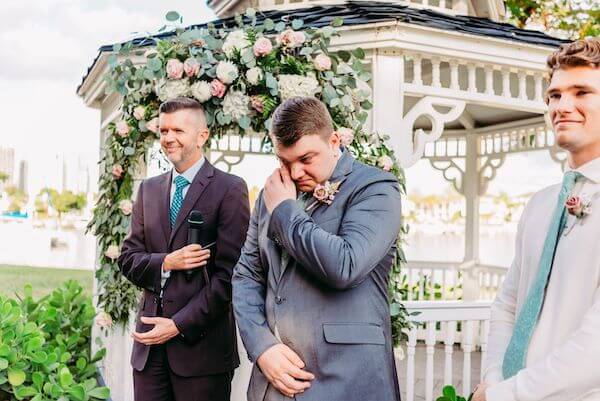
x=310, y=160
x=574, y=107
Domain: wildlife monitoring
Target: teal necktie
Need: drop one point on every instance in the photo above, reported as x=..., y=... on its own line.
x=180, y=184
x=516, y=352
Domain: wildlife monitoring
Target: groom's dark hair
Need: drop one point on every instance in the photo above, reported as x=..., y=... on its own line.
x=300, y=116
x=180, y=103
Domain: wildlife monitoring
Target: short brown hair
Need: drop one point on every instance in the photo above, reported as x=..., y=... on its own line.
x=300, y=116
x=585, y=52
x=180, y=103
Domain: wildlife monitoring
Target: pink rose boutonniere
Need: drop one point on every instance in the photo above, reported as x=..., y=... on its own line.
x=324, y=193
x=578, y=206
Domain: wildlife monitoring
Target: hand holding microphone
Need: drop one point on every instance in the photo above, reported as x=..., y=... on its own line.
x=189, y=257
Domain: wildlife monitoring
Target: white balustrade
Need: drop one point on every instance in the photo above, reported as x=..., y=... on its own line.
x=464, y=325
x=444, y=6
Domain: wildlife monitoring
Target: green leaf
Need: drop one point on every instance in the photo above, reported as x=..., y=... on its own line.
x=25, y=391
x=269, y=24
x=450, y=392
x=113, y=61
x=244, y=122
x=65, y=377
x=344, y=55
x=101, y=393
x=359, y=53
x=3, y=364
x=81, y=363
x=78, y=392
x=280, y=26
x=16, y=377
x=366, y=105
x=154, y=64
x=172, y=16
x=337, y=22
x=129, y=151
x=327, y=31
x=297, y=24
x=38, y=380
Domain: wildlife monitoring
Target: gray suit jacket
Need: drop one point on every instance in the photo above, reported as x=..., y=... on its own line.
x=330, y=302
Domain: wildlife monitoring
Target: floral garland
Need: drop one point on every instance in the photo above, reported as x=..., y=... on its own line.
x=240, y=74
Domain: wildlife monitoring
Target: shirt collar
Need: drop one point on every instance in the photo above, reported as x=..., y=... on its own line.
x=191, y=172
x=590, y=170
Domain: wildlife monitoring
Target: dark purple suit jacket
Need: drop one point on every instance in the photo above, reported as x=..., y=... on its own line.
x=207, y=344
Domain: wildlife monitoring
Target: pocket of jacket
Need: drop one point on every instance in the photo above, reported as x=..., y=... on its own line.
x=353, y=333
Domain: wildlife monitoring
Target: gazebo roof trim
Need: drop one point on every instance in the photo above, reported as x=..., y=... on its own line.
x=363, y=12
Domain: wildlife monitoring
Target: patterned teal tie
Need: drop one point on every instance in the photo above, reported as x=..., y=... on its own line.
x=180, y=184
x=516, y=352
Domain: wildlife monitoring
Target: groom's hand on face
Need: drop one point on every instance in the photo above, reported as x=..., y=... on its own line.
x=279, y=187
x=283, y=368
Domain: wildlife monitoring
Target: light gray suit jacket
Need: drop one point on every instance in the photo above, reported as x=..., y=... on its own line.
x=330, y=302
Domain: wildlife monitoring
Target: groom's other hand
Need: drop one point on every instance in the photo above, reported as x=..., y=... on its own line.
x=164, y=329
x=479, y=394
x=283, y=368
x=189, y=257
x=279, y=187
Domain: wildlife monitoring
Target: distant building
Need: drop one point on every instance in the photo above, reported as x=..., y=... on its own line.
x=23, y=175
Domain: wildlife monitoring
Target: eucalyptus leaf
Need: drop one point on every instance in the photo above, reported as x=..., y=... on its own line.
x=172, y=16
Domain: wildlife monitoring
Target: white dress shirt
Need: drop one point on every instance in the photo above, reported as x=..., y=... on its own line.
x=189, y=175
x=563, y=359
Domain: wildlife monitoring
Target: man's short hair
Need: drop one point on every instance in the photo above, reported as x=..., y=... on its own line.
x=300, y=116
x=585, y=52
x=180, y=103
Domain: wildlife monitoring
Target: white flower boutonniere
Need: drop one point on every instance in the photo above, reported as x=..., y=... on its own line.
x=324, y=193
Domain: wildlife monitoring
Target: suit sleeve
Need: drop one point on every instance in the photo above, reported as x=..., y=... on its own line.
x=215, y=299
x=139, y=266
x=249, y=292
x=368, y=230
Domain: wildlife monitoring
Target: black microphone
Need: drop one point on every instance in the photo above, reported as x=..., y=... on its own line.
x=195, y=226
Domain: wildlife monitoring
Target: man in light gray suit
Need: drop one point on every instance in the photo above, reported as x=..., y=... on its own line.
x=310, y=288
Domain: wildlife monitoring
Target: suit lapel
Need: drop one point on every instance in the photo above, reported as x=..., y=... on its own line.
x=197, y=187
x=165, y=205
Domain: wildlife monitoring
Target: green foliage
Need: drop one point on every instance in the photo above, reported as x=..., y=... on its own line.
x=17, y=198
x=3, y=176
x=63, y=202
x=449, y=394
x=572, y=19
x=45, y=347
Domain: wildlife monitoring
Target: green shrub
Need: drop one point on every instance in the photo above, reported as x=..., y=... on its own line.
x=45, y=347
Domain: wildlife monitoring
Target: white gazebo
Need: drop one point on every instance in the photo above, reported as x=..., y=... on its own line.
x=452, y=83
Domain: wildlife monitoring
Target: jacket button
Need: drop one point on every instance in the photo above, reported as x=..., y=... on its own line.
x=278, y=300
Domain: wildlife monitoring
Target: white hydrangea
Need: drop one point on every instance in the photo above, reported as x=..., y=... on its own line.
x=235, y=104
x=297, y=85
x=201, y=91
x=236, y=40
x=254, y=75
x=227, y=72
x=170, y=89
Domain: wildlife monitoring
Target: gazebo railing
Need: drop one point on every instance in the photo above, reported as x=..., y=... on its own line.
x=444, y=6
x=451, y=327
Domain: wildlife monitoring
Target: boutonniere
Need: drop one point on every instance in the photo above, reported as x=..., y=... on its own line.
x=578, y=206
x=324, y=193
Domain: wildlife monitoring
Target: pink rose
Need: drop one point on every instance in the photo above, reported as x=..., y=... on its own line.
x=574, y=205
x=320, y=193
x=385, y=162
x=299, y=38
x=126, y=207
x=122, y=128
x=138, y=112
x=191, y=66
x=262, y=47
x=174, y=69
x=257, y=103
x=322, y=62
x=217, y=88
x=286, y=38
x=152, y=125
x=346, y=135
x=117, y=171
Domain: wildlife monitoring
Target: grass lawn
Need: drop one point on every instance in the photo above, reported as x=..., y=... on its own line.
x=42, y=279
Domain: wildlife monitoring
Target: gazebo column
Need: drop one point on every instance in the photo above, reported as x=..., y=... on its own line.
x=471, y=191
x=388, y=95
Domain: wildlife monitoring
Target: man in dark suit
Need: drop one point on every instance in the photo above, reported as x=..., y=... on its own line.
x=185, y=338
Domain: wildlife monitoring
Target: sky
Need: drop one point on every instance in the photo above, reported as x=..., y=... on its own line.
x=53, y=42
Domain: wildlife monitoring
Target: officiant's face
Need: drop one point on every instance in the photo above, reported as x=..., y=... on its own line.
x=310, y=160
x=183, y=133
x=574, y=107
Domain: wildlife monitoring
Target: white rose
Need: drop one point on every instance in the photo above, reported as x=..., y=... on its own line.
x=227, y=72
x=104, y=320
x=201, y=91
x=235, y=104
x=126, y=207
x=236, y=40
x=385, y=162
x=170, y=89
x=112, y=252
x=254, y=75
x=138, y=112
x=297, y=85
